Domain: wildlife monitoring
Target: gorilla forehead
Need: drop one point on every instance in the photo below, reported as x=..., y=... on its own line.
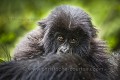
x=67, y=32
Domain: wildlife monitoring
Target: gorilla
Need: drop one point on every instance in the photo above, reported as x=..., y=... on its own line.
x=66, y=31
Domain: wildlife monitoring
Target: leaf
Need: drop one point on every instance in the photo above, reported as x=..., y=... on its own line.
x=5, y=53
x=1, y=61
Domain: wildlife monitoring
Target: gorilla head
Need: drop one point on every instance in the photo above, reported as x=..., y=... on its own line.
x=68, y=30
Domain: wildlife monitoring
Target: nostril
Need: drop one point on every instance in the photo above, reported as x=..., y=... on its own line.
x=65, y=50
x=61, y=51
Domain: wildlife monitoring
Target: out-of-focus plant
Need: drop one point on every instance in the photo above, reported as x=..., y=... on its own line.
x=4, y=54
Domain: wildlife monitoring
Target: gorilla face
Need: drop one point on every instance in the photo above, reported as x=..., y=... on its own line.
x=63, y=40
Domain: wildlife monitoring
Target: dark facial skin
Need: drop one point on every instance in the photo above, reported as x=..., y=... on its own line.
x=66, y=40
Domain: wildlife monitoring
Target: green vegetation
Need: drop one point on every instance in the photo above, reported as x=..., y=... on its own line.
x=17, y=17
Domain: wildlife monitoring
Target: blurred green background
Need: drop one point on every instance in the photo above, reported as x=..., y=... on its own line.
x=17, y=17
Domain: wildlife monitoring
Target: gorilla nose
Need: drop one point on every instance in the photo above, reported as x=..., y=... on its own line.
x=64, y=50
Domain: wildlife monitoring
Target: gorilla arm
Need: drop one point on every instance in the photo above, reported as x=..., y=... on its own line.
x=54, y=67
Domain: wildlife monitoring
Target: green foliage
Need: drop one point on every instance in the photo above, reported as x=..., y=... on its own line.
x=1, y=61
x=20, y=16
x=5, y=54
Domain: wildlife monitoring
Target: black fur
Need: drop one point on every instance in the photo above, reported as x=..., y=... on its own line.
x=41, y=40
x=54, y=67
x=72, y=21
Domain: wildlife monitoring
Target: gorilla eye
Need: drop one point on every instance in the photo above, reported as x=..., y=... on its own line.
x=73, y=41
x=60, y=38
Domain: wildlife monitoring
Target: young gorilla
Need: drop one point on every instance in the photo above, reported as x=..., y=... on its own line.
x=53, y=67
x=66, y=30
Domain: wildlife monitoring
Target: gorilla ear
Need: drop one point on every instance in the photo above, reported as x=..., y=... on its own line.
x=42, y=24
